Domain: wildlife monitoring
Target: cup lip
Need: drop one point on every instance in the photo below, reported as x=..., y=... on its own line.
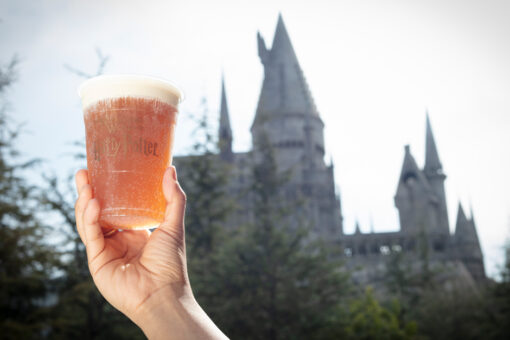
x=130, y=81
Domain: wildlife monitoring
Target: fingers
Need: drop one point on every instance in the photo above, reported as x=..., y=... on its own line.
x=84, y=195
x=81, y=178
x=94, y=239
x=175, y=203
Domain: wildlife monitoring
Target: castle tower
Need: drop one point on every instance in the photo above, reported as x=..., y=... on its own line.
x=414, y=198
x=357, y=229
x=467, y=245
x=225, y=131
x=287, y=119
x=286, y=113
x=433, y=170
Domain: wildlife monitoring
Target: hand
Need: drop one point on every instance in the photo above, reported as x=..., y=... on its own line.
x=141, y=274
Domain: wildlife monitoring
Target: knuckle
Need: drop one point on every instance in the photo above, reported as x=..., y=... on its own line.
x=78, y=205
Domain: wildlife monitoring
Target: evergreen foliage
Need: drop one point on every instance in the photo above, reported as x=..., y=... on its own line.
x=204, y=179
x=80, y=312
x=367, y=320
x=27, y=263
x=269, y=280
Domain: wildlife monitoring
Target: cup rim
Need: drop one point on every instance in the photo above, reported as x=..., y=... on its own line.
x=120, y=85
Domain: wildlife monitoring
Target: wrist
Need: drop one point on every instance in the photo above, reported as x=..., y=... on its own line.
x=161, y=310
x=173, y=313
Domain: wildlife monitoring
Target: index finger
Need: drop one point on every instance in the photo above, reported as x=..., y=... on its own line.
x=81, y=178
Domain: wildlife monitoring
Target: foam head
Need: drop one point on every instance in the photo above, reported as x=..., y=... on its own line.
x=117, y=86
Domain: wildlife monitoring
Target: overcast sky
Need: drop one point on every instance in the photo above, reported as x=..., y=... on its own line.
x=373, y=68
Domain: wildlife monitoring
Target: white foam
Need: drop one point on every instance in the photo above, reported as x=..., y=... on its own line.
x=116, y=86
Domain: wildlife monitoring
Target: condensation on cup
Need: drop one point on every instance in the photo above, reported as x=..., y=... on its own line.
x=129, y=126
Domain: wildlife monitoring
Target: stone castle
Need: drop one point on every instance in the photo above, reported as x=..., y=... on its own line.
x=288, y=118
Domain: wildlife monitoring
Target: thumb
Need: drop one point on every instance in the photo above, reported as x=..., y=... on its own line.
x=175, y=203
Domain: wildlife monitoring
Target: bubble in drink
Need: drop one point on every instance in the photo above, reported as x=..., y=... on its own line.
x=129, y=123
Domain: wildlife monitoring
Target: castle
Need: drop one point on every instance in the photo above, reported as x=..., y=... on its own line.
x=287, y=116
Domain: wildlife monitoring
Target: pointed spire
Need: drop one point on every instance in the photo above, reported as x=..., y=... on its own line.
x=471, y=214
x=468, y=245
x=224, y=115
x=282, y=47
x=461, y=216
x=284, y=89
x=465, y=230
x=432, y=162
x=263, y=52
x=225, y=131
x=357, y=229
x=413, y=196
x=410, y=169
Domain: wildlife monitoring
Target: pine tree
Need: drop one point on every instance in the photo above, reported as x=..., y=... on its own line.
x=80, y=312
x=368, y=320
x=27, y=263
x=271, y=281
x=204, y=178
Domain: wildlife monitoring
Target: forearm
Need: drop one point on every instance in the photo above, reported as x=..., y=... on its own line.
x=175, y=315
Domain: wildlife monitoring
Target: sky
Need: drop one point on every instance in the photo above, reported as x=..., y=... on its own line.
x=374, y=67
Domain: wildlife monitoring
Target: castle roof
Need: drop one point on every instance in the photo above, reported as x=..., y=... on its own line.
x=465, y=229
x=410, y=171
x=432, y=162
x=225, y=129
x=284, y=89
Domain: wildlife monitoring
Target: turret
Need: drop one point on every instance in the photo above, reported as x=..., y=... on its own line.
x=263, y=52
x=414, y=197
x=467, y=245
x=225, y=131
x=286, y=114
x=433, y=170
x=357, y=229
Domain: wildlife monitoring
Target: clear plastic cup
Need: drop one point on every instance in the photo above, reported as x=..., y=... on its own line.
x=129, y=124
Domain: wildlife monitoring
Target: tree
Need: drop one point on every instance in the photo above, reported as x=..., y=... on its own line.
x=27, y=263
x=80, y=312
x=367, y=319
x=271, y=280
x=204, y=178
x=496, y=304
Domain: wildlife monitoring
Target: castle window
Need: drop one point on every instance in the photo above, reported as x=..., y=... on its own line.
x=362, y=250
x=385, y=250
x=319, y=148
x=439, y=246
x=410, y=245
x=409, y=178
x=290, y=144
x=348, y=252
x=375, y=249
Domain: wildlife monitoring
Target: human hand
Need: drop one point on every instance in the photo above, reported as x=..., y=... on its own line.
x=143, y=274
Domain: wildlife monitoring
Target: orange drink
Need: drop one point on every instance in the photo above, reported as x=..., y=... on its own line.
x=129, y=125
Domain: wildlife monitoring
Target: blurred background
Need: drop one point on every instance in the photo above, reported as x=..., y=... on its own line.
x=374, y=68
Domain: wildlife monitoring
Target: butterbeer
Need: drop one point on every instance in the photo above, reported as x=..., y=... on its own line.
x=129, y=124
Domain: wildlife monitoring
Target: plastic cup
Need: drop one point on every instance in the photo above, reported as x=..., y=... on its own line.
x=129, y=125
